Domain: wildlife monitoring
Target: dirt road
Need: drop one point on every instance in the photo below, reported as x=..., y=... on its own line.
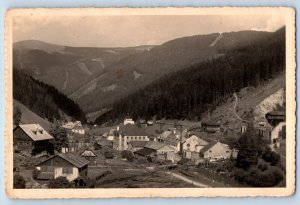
x=183, y=178
x=234, y=107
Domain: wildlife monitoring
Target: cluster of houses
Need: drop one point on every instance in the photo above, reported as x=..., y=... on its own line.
x=172, y=144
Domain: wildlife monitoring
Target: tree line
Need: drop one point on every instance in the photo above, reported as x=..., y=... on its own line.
x=43, y=99
x=186, y=94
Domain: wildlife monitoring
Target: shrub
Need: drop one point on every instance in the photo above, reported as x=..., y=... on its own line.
x=59, y=182
x=19, y=182
x=35, y=173
x=256, y=178
x=128, y=155
x=108, y=155
x=271, y=156
x=262, y=167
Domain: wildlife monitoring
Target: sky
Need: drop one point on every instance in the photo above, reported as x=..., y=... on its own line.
x=125, y=31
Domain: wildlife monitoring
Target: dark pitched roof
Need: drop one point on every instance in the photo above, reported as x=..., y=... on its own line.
x=207, y=147
x=104, y=142
x=281, y=113
x=154, y=145
x=73, y=159
x=144, y=152
x=211, y=123
x=138, y=143
x=77, y=161
x=132, y=130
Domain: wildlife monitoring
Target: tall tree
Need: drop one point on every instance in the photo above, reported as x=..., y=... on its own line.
x=250, y=147
x=60, y=137
x=17, y=116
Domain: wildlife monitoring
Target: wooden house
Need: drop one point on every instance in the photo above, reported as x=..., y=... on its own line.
x=146, y=153
x=32, y=139
x=67, y=165
x=89, y=155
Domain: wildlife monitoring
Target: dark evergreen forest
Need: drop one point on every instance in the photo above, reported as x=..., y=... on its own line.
x=188, y=93
x=43, y=99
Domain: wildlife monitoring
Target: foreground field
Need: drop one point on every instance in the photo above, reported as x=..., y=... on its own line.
x=146, y=180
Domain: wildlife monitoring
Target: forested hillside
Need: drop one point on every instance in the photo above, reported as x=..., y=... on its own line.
x=62, y=66
x=190, y=92
x=43, y=99
x=136, y=71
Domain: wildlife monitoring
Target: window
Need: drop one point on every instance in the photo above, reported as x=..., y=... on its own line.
x=209, y=150
x=67, y=170
x=188, y=145
x=47, y=169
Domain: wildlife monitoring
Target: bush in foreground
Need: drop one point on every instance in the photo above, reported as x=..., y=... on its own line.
x=19, y=182
x=108, y=155
x=128, y=155
x=256, y=178
x=59, y=182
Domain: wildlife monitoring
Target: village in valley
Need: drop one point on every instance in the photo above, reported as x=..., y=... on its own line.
x=135, y=153
x=167, y=101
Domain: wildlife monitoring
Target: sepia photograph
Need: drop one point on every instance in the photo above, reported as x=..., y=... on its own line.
x=157, y=102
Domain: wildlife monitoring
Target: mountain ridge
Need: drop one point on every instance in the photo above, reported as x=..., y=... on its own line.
x=181, y=93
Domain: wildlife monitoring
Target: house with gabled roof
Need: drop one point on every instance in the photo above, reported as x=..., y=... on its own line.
x=75, y=127
x=89, y=155
x=194, y=144
x=66, y=165
x=191, y=147
x=173, y=139
x=162, y=150
x=32, y=139
x=159, y=147
x=215, y=150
